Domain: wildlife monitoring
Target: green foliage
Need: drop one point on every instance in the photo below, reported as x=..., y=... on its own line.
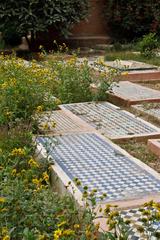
x=11, y=37
x=23, y=89
x=148, y=45
x=33, y=16
x=132, y=19
x=75, y=80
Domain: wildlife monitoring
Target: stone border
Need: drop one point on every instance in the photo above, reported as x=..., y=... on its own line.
x=151, y=76
x=154, y=146
x=121, y=101
x=142, y=137
x=63, y=179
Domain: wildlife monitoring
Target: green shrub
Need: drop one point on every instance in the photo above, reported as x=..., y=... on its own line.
x=24, y=89
x=148, y=45
x=32, y=17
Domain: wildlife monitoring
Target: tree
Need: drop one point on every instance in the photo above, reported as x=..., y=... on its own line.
x=134, y=18
x=35, y=16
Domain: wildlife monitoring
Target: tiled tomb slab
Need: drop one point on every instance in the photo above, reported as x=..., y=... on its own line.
x=151, y=109
x=102, y=165
x=127, y=93
x=111, y=121
x=144, y=75
x=154, y=146
x=58, y=122
x=134, y=216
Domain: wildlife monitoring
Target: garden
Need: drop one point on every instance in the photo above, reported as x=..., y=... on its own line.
x=31, y=208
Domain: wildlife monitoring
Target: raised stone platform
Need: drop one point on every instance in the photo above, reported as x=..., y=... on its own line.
x=102, y=165
x=111, y=121
x=127, y=93
x=154, y=146
x=151, y=109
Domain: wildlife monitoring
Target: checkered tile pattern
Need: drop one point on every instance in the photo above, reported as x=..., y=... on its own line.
x=110, y=120
x=133, y=91
x=135, y=216
x=152, y=109
x=58, y=123
x=99, y=165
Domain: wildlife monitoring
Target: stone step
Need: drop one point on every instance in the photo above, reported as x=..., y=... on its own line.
x=126, y=93
x=111, y=121
x=99, y=164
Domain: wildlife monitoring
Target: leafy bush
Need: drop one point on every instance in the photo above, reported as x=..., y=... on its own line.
x=132, y=19
x=75, y=80
x=148, y=45
x=32, y=17
x=23, y=89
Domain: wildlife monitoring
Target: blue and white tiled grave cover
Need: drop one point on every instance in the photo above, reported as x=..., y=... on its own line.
x=99, y=165
x=111, y=120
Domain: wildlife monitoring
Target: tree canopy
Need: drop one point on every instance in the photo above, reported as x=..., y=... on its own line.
x=33, y=16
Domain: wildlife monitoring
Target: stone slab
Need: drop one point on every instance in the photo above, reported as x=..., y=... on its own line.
x=100, y=164
x=151, y=109
x=111, y=121
x=127, y=93
x=57, y=123
x=154, y=146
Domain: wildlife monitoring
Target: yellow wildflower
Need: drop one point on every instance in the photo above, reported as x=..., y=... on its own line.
x=2, y=200
x=68, y=232
x=45, y=126
x=7, y=237
x=57, y=234
x=57, y=101
x=76, y=226
x=39, y=109
x=33, y=163
x=14, y=171
x=4, y=230
x=18, y=152
x=45, y=176
x=35, y=181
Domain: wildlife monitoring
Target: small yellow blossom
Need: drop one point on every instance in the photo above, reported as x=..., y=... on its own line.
x=39, y=109
x=45, y=126
x=18, y=152
x=57, y=101
x=45, y=176
x=7, y=237
x=14, y=171
x=4, y=230
x=35, y=181
x=33, y=163
x=2, y=200
x=76, y=226
x=57, y=234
